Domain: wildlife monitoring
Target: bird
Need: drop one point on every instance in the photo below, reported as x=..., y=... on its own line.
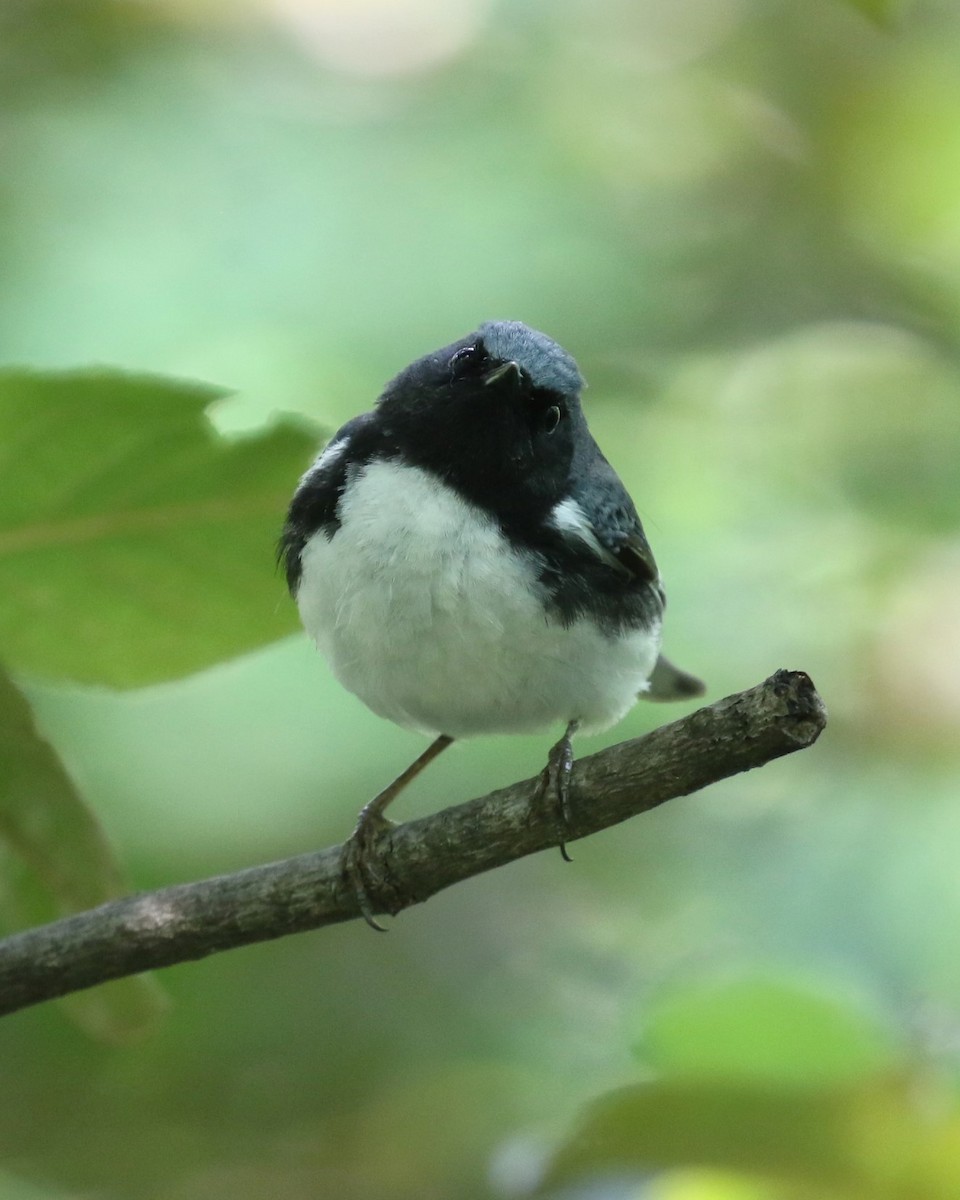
x=469, y=563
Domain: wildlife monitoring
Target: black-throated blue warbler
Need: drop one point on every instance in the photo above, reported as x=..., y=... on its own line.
x=469, y=562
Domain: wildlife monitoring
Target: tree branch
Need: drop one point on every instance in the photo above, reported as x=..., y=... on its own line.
x=414, y=861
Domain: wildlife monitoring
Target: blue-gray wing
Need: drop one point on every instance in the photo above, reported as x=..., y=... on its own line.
x=609, y=516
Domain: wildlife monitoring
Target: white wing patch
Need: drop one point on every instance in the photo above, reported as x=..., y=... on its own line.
x=569, y=517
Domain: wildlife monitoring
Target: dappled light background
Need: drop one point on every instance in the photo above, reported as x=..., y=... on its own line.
x=743, y=218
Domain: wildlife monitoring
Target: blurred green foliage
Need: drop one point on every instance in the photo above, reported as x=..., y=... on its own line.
x=743, y=218
x=58, y=861
x=871, y=1141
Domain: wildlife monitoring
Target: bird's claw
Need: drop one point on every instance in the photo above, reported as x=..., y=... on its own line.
x=554, y=787
x=355, y=858
x=360, y=850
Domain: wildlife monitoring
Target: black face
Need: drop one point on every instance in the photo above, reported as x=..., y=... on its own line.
x=505, y=431
x=484, y=427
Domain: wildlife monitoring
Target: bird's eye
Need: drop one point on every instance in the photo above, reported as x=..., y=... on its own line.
x=551, y=419
x=466, y=358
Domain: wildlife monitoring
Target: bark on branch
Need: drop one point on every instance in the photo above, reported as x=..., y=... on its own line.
x=414, y=861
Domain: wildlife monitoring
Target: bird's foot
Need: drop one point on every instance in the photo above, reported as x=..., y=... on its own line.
x=553, y=791
x=361, y=847
x=355, y=860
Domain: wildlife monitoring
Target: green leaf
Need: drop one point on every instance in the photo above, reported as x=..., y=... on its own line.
x=136, y=544
x=886, y=1140
x=760, y=1029
x=63, y=863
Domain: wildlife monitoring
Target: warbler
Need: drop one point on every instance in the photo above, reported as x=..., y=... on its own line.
x=469, y=563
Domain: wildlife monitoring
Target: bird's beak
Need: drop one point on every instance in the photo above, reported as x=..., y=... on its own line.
x=502, y=372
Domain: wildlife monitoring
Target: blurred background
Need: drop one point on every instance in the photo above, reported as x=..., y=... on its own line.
x=743, y=218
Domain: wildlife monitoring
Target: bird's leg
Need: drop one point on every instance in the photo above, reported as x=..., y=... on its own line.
x=554, y=788
x=371, y=822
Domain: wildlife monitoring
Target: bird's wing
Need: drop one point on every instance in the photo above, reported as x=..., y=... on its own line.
x=636, y=558
x=601, y=514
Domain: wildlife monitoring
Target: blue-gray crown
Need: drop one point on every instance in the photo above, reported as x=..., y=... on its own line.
x=547, y=364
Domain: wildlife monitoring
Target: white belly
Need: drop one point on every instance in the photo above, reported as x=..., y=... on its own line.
x=427, y=614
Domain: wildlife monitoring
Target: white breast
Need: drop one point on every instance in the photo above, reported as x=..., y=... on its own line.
x=426, y=613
